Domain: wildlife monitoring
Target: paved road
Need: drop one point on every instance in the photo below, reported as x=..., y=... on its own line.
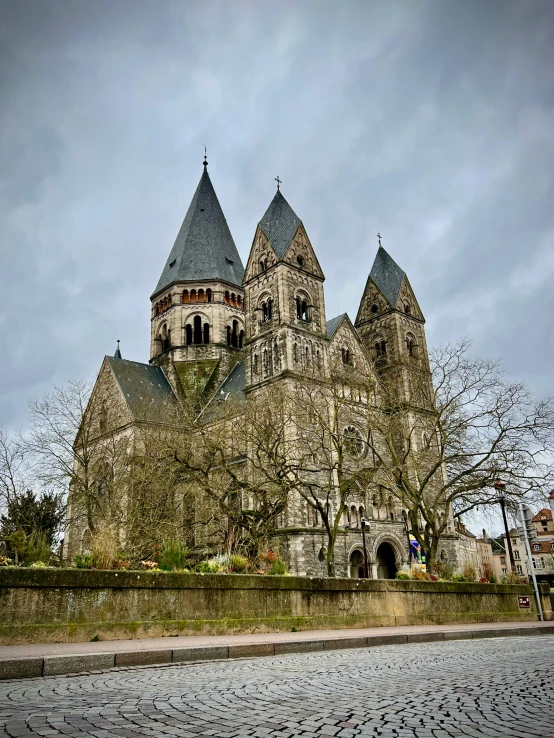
x=498, y=687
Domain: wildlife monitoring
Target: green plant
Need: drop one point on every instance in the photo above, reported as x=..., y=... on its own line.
x=443, y=570
x=209, y=567
x=38, y=548
x=5, y=561
x=17, y=542
x=238, y=563
x=38, y=565
x=84, y=561
x=173, y=555
x=458, y=578
x=278, y=568
x=512, y=578
x=94, y=639
x=419, y=574
x=403, y=575
x=104, y=548
x=150, y=565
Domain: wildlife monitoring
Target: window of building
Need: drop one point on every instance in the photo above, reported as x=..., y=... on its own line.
x=263, y=264
x=381, y=349
x=353, y=441
x=300, y=260
x=411, y=345
x=517, y=557
x=407, y=308
x=209, y=295
x=519, y=569
x=536, y=546
x=346, y=356
x=374, y=308
x=201, y=296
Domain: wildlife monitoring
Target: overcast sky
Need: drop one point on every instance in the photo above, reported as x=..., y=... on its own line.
x=431, y=121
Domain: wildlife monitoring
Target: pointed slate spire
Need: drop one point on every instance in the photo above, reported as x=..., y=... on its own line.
x=279, y=224
x=204, y=247
x=387, y=275
x=117, y=354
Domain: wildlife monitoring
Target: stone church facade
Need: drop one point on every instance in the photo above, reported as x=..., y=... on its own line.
x=226, y=329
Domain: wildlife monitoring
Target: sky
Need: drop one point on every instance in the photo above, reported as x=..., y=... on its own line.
x=429, y=121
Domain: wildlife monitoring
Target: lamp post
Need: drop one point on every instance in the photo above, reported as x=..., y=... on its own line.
x=365, y=526
x=501, y=488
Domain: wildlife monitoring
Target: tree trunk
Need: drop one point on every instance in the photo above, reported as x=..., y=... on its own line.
x=431, y=556
x=331, y=538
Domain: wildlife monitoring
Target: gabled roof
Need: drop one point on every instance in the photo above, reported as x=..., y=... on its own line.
x=279, y=224
x=333, y=325
x=145, y=388
x=544, y=512
x=204, y=248
x=231, y=389
x=387, y=275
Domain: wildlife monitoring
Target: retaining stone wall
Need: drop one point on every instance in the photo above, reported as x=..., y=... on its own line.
x=70, y=605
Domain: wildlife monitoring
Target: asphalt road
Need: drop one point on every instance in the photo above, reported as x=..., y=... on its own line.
x=480, y=688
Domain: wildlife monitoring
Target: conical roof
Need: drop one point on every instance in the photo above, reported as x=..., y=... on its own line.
x=279, y=224
x=387, y=275
x=204, y=247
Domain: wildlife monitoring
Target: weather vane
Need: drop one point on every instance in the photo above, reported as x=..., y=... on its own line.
x=205, y=157
x=379, y=237
x=279, y=182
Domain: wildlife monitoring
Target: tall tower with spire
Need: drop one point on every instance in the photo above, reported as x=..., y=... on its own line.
x=197, y=320
x=284, y=302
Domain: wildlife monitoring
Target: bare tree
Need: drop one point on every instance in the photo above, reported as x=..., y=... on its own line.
x=12, y=468
x=443, y=446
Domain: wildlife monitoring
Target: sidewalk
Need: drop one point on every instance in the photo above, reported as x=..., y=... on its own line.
x=49, y=659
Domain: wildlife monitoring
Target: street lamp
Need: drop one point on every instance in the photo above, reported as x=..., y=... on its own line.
x=500, y=487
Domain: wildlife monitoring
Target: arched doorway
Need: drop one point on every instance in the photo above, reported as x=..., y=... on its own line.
x=386, y=561
x=357, y=565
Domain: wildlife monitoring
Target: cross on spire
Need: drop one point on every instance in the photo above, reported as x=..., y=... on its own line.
x=205, y=162
x=379, y=238
x=279, y=182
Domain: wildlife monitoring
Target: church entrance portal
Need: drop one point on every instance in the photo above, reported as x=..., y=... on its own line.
x=386, y=562
x=357, y=565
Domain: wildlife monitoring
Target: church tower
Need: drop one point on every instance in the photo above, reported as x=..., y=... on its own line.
x=284, y=302
x=391, y=324
x=197, y=319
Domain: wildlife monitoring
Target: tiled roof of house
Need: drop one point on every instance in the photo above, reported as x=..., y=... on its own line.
x=387, y=275
x=279, y=224
x=146, y=389
x=231, y=389
x=333, y=325
x=544, y=512
x=204, y=248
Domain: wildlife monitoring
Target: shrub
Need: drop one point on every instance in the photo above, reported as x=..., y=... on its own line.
x=38, y=548
x=104, y=548
x=469, y=573
x=84, y=561
x=458, y=578
x=512, y=578
x=269, y=557
x=173, y=555
x=443, y=570
x=277, y=568
x=38, y=565
x=210, y=567
x=403, y=575
x=419, y=574
x=238, y=563
x=5, y=561
x=150, y=565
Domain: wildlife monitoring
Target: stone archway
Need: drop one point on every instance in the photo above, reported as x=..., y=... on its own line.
x=387, y=565
x=357, y=564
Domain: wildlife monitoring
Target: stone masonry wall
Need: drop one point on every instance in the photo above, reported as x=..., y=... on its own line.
x=71, y=605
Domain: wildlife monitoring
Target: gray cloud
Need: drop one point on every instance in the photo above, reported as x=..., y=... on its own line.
x=431, y=122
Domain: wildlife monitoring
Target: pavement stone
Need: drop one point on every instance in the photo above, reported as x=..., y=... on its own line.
x=477, y=688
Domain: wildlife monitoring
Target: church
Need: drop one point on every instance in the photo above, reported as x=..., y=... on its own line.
x=227, y=330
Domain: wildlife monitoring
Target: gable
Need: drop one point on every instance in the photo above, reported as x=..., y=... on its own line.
x=145, y=390
x=343, y=335
x=261, y=250
x=374, y=303
x=300, y=253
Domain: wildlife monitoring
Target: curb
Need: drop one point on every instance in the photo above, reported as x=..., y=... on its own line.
x=25, y=668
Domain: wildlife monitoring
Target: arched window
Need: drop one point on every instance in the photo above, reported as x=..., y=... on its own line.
x=166, y=338
x=346, y=356
x=361, y=511
x=295, y=353
x=407, y=309
x=265, y=361
x=353, y=442
x=381, y=349
x=411, y=346
x=425, y=440
x=304, y=311
x=201, y=296
x=374, y=308
x=209, y=296
x=300, y=260
x=193, y=296
x=206, y=333
x=235, y=334
x=233, y=299
x=228, y=332
x=298, y=308
x=241, y=339
x=239, y=301
x=255, y=363
x=263, y=265
x=276, y=361
x=185, y=297
x=226, y=297
x=197, y=323
x=354, y=517
x=188, y=334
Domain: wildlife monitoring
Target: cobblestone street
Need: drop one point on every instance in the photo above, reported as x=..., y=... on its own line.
x=485, y=687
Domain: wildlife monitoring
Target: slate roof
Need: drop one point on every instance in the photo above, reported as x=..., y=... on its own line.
x=387, y=275
x=232, y=388
x=333, y=324
x=204, y=247
x=279, y=224
x=145, y=388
